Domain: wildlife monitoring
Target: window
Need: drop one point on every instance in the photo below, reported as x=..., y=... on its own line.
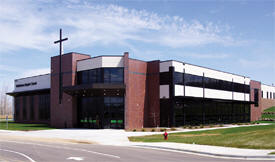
x=101, y=75
x=274, y=95
x=192, y=80
x=270, y=95
x=44, y=107
x=262, y=94
x=31, y=101
x=178, y=78
x=17, y=108
x=85, y=77
x=164, y=78
x=256, y=97
x=247, y=89
x=24, y=108
x=267, y=95
x=115, y=75
x=237, y=87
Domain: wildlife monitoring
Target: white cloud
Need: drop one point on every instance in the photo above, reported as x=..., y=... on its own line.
x=257, y=64
x=8, y=68
x=34, y=72
x=207, y=56
x=34, y=24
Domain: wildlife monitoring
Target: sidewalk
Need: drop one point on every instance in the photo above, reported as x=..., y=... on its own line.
x=214, y=151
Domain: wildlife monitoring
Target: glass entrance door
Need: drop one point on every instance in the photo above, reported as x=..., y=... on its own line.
x=101, y=112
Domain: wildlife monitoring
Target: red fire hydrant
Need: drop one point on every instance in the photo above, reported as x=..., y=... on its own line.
x=165, y=135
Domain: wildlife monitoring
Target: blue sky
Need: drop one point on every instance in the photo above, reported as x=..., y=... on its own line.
x=235, y=35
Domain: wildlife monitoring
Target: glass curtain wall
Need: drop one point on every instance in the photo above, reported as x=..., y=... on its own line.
x=101, y=112
x=101, y=75
x=196, y=112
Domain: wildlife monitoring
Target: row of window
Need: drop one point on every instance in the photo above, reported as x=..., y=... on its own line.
x=101, y=75
x=268, y=95
x=200, y=81
x=43, y=107
x=194, y=113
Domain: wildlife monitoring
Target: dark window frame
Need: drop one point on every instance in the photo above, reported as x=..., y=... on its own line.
x=256, y=97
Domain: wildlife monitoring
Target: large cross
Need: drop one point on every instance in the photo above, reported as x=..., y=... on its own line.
x=60, y=61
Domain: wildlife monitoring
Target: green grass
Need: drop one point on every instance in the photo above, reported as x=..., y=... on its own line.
x=23, y=127
x=259, y=121
x=270, y=116
x=254, y=137
x=271, y=109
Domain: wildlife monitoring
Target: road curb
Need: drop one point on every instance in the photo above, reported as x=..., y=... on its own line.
x=267, y=157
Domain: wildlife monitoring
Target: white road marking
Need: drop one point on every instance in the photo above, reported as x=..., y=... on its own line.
x=75, y=158
x=68, y=148
x=19, y=153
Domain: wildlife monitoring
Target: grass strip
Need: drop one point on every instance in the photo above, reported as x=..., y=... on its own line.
x=254, y=137
x=23, y=127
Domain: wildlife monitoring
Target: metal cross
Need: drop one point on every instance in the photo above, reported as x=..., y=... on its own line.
x=60, y=61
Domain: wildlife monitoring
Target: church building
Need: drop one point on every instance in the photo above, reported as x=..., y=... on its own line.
x=117, y=91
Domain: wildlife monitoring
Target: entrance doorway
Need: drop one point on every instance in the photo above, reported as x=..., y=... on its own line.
x=101, y=112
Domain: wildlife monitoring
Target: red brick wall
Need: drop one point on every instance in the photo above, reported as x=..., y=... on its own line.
x=64, y=114
x=152, y=115
x=255, y=112
x=267, y=103
x=142, y=93
x=135, y=93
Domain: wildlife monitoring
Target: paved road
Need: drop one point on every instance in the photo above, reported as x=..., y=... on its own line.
x=13, y=150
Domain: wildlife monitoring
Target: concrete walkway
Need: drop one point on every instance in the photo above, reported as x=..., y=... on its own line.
x=215, y=151
x=120, y=138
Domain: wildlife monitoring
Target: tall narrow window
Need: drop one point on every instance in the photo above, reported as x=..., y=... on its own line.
x=44, y=107
x=262, y=94
x=17, y=108
x=31, y=102
x=24, y=108
x=267, y=95
x=256, y=97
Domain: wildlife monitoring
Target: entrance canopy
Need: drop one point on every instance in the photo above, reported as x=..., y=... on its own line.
x=97, y=89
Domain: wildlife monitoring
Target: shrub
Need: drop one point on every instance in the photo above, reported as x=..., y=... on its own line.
x=143, y=130
x=190, y=127
x=201, y=126
x=173, y=129
x=221, y=125
x=134, y=130
x=211, y=126
x=153, y=130
x=162, y=129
